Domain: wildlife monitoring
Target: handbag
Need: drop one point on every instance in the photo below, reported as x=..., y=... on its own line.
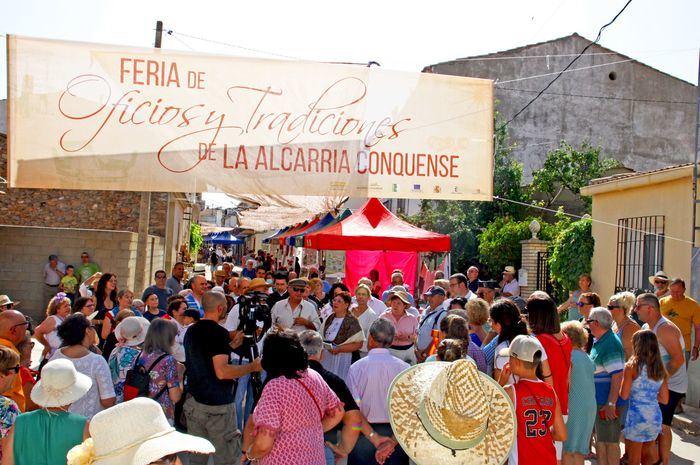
x=138, y=379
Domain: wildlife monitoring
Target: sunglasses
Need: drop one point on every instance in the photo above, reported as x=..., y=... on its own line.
x=27, y=323
x=591, y=321
x=11, y=369
x=297, y=289
x=610, y=307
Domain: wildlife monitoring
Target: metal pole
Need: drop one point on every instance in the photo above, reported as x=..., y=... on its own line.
x=141, y=275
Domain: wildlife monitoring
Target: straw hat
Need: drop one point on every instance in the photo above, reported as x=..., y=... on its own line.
x=134, y=432
x=60, y=384
x=450, y=413
x=402, y=295
x=660, y=276
x=5, y=300
x=257, y=284
x=132, y=330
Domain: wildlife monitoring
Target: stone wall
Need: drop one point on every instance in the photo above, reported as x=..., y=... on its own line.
x=106, y=210
x=24, y=252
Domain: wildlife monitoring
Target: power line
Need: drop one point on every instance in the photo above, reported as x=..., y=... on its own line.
x=559, y=73
x=601, y=97
x=241, y=47
x=525, y=204
x=568, y=55
x=600, y=32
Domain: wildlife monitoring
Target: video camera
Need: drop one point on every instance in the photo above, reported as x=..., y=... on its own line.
x=252, y=309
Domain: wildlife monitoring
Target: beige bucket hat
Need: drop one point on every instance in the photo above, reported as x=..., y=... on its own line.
x=450, y=413
x=135, y=432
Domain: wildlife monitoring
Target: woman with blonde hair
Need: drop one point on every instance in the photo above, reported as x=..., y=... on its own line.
x=582, y=404
x=363, y=312
x=478, y=312
x=46, y=333
x=620, y=306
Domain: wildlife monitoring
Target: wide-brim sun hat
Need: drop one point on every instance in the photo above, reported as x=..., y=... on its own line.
x=257, y=283
x=135, y=432
x=660, y=275
x=60, y=384
x=132, y=330
x=402, y=295
x=450, y=413
x=5, y=300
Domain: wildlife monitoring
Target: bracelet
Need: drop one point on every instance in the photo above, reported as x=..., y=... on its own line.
x=372, y=434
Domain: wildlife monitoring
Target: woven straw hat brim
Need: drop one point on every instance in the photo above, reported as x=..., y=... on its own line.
x=405, y=395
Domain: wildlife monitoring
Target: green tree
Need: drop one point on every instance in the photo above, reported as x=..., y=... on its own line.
x=196, y=239
x=571, y=253
x=464, y=220
x=570, y=168
x=499, y=243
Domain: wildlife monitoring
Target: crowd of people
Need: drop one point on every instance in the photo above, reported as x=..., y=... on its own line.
x=469, y=370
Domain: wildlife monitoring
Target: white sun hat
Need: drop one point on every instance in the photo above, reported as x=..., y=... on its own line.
x=60, y=384
x=132, y=330
x=135, y=432
x=451, y=414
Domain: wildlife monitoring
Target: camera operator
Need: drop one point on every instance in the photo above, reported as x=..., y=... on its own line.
x=244, y=391
x=210, y=411
x=294, y=312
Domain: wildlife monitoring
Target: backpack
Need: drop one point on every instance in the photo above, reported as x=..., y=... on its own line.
x=138, y=379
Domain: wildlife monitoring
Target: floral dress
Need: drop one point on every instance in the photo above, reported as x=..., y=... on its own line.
x=290, y=410
x=121, y=360
x=8, y=414
x=643, y=422
x=163, y=374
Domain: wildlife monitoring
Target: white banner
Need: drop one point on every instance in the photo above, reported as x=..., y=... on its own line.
x=92, y=116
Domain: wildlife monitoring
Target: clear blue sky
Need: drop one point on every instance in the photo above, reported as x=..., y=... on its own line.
x=404, y=35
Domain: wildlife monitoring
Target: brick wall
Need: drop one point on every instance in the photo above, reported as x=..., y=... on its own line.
x=107, y=210
x=24, y=252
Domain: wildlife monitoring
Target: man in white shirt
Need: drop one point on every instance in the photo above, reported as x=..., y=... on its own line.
x=54, y=270
x=369, y=380
x=509, y=285
x=294, y=312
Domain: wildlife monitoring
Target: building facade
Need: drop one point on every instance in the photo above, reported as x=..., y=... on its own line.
x=35, y=223
x=638, y=115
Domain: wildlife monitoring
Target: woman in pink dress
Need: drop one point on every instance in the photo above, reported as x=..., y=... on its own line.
x=295, y=409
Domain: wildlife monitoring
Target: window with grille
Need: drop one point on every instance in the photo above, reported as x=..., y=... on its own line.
x=640, y=252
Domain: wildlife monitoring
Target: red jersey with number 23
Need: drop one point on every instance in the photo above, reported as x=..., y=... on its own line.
x=535, y=405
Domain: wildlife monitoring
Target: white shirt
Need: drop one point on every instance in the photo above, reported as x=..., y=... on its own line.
x=283, y=314
x=50, y=276
x=512, y=288
x=369, y=380
x=366, y=320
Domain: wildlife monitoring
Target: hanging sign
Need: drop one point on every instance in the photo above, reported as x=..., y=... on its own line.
x=93, y=116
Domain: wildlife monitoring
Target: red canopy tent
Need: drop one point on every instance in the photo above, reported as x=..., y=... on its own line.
x=375, y=238
x=373, y=227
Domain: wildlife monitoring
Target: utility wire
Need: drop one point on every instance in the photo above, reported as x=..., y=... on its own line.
x=525, y=204
x=568, y=55
x=601, y=97
x=241, y=47
x=600, y=32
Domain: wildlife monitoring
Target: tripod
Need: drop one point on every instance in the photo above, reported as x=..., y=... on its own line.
x=249, y=351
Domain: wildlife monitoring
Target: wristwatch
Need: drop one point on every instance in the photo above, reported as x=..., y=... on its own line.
x=611, y=404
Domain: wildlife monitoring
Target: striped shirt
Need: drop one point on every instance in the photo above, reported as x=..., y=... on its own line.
x=609, y=358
